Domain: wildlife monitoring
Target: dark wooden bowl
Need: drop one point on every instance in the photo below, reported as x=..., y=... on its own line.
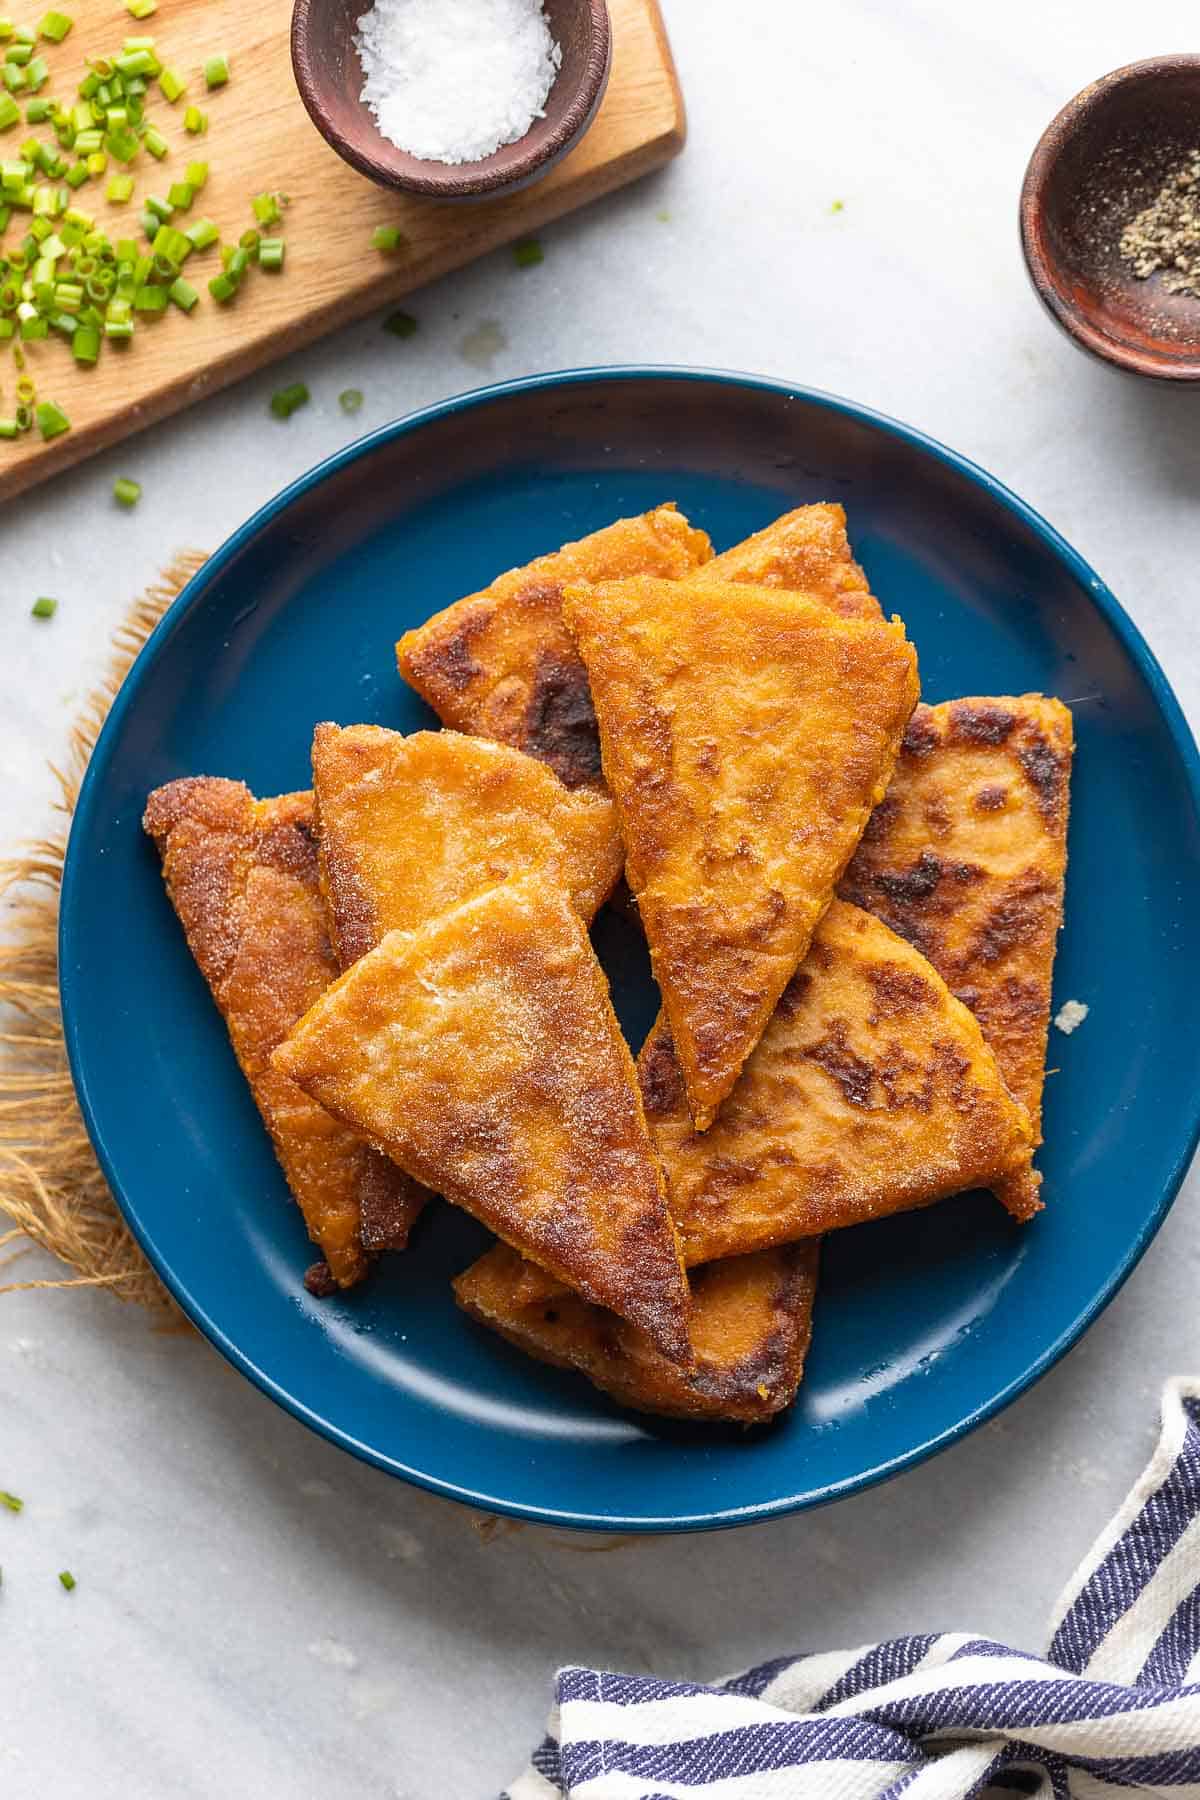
x=1103, y=159
x=330, y=78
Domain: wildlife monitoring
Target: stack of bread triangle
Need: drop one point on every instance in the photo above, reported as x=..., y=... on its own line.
x=850, y=901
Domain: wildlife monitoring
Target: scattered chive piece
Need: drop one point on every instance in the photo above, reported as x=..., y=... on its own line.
x=85, y=345
x=195, y=121
x=528, y=253
x=387, y=238
x=52, y=421
x=838, y=206
x=55, y=26
x=67, y=1579
x=155, y=142
x=286, y=400
x=141, y=9
x=150, y=299
x=266, y=208
x=196, y=175
x=125, y=492
x=183, y=294
x=181, y=195
x=41, y=609
x=172, y=85
x=222, y=288
x=271, y=253
x=400, y=324
x=10, y=1500
x=350, y=400
x=10, y=112
x=120, y=189
x=202, y=234
x=216, y=69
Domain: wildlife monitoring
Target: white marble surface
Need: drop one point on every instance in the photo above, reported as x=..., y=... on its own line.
x=256, y=1613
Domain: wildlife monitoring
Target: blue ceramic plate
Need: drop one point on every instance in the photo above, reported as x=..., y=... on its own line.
x=926, y=1324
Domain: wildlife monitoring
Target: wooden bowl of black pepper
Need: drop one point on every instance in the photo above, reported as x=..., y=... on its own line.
x=1109, y=211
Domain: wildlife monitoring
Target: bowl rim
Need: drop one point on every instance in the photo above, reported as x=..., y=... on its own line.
x=75, y=880
x=1039, y=265
x=455, y=181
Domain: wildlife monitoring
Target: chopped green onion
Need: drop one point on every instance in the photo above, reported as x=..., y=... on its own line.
x=270, y=254
x=400, y=324
x=122, y=144
x=180, y=195
x=65, y=1575
x=172, y=244
x=42, y=608
x=266, y=208
x=528, y=253
x=10, y=112
x=85, y=345
x=55, y=26
x=7, y=27
x=155, y=142
x=19, y=53
x=150, y=299
x=195, y=121
x=161, y=209
x=136, y=62
x=350, y=400
x=238, y=263
x=10, y=1500
x=196, y=175
x=250, y=240
x=37, y=74
x=286, y=400
x=172, y=85
x=222, y=288
x=120, y=189
x=52, y=421
x=216, y=70
x=183, y=294
x=202, y=234
x=387, y=238
x=141, y=9
x=9, y=428
x=77, y=175
x=97, y=162
x=37, y=111
x=126, y=492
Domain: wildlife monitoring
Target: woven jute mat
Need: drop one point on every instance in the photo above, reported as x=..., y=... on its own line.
x=50, y=1184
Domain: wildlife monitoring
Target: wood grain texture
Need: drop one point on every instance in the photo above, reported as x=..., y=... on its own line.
x=260, y=137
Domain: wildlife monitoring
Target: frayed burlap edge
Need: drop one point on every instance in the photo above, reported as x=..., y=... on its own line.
x=50, y=1184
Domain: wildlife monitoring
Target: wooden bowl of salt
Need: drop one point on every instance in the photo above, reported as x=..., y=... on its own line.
x=454, y=99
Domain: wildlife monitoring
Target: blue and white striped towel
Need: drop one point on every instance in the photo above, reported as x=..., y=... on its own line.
x=1113, y=1707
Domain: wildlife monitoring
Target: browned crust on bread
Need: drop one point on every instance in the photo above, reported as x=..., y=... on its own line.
x=747, y=733
x=751, y=1325
x=807, y=552
x=872, y=1091
x=412, y=826
x=483, y=1054
x=966, y=858
x=499, y=663
x=242, y=876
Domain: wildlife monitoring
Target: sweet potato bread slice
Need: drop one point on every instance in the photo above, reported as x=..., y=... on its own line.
x=499, y=663
x=409, y=827
x=751, y=1324
x=242, y=876
x=483, y=1054
x=966, y=858
x=871, y=1092
x=746, y=733
x=806, y=551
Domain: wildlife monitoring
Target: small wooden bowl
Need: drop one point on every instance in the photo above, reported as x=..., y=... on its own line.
x=1102, y=160
x=330, y=78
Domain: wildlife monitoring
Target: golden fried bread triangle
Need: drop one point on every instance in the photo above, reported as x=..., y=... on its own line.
x=966, y=858
x=806, y=551
x=242, y=876
x=483, y=1054
x=751, y=1322
x=746, y=733
x=499, y=663
x=412, y=826
x=871, y=1091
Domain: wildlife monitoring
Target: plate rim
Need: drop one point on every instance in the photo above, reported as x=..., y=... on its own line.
x=1101, y=596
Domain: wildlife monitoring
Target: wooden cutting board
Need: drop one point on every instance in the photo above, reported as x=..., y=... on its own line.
x=259, y=138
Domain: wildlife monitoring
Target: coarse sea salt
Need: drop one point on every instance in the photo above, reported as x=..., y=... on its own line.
x=452, y=80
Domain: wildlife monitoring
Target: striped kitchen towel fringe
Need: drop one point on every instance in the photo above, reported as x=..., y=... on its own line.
x=1113, y=1707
